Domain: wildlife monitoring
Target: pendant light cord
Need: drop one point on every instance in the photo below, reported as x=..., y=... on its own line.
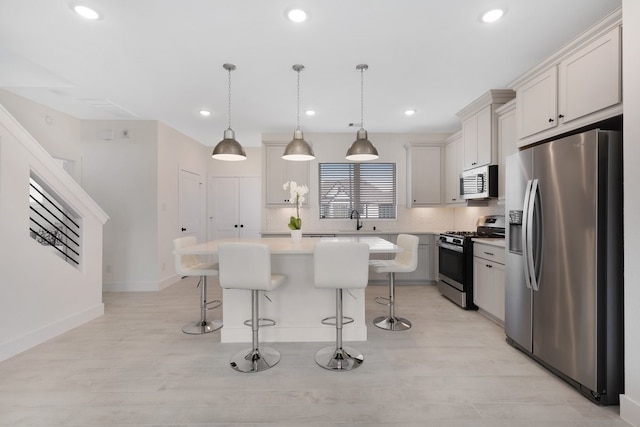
x=298, y=111
x=362, y=97
x=229, y=98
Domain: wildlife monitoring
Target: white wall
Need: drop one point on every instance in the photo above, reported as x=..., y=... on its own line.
x=630, y=402
x=40, y=301
x=120, y=174
x=332, y=147
x=57, y=132
x=176, y=152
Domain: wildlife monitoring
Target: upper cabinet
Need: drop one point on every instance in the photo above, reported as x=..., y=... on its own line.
x=424, y=175
x=507, y=141
x=453, y=168
x=479, y=134
x=277, y=171
x=579, y=85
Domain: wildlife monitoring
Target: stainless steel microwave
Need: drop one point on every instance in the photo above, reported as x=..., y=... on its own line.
x=479, y=183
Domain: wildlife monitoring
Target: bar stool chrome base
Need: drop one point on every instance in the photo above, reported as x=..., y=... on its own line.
x=252, y=360
x=392, y=323
x=339, y=359
x=201, y=327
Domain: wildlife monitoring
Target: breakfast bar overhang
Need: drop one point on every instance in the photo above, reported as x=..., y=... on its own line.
x=296, y=306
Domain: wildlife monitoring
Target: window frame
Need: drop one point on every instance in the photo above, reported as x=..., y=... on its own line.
x=370, y=201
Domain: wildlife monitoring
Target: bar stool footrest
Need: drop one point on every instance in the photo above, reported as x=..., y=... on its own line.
x=383, y=300
x=331, y=320
x=216, y=303
x=262, y=322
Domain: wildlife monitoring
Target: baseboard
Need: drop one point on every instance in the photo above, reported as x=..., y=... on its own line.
x=11, y=348
x=140, y=286
x=630, y=410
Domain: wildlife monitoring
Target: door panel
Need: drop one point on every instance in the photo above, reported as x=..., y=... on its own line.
x=190, y=200
x=518, y=298
x=250, y=207
x=223, y=207
x=565, y=305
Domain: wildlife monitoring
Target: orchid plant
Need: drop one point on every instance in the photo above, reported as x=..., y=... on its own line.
x=297, y=193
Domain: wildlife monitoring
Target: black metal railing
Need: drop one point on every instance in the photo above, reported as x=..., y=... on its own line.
x=51, y=224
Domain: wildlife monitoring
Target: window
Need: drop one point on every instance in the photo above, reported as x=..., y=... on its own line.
x=369, y=188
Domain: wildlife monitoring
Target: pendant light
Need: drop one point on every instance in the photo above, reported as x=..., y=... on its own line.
x=362, y=149
x=298, y=149
x=229, y=149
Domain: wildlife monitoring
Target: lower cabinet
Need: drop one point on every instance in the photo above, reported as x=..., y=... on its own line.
x=488, y=280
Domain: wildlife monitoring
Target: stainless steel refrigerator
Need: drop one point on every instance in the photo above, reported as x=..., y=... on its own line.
x=564, y=279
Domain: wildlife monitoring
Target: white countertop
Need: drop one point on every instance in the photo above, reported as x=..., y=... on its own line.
x=493, y=242
x=348, y=232
x=285, y=245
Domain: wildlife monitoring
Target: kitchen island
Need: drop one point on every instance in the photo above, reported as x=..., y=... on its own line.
x=296, y=306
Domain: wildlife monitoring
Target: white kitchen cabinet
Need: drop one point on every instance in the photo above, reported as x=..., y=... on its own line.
x=424, y=175
x=479, y=123
x=234, y=207
x=489, y=280
x=277, y=171
x=507, y=141
x=581, y=84
x=453, y=168
x=537, y=105
x=590, y=79
x=476, y=131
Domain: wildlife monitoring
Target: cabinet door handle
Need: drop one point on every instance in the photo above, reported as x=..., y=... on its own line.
x=183, y=229
x=489, y=253
x=241, y=225
x=550, y=120
x=561, y=116
x=236, y=226
x=489, y=266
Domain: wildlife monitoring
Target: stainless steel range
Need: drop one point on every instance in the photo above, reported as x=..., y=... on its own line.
x=455, y=261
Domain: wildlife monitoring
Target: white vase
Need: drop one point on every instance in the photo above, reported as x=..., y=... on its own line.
x=296, y=235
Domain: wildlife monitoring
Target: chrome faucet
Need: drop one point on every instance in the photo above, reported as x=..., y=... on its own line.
x=357, y=216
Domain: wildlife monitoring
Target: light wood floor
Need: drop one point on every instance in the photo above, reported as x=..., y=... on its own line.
x=134, y=366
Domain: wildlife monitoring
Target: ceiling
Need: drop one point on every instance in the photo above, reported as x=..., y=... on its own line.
x=162, y=59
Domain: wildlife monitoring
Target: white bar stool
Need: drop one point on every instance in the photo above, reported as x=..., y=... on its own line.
x=404, y=262
x=340, y=265
x=248, y=266
x=190, y=265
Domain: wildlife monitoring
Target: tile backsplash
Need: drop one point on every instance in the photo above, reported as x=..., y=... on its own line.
x=409, y=219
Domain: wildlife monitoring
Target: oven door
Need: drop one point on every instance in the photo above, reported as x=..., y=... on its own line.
x=451, y=265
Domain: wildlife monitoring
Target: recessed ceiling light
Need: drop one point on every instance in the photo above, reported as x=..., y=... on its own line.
x=492, y=15
x=205, y=113
x=310, y=112
x=409, y=112
x=86, y=12
x=297, y=15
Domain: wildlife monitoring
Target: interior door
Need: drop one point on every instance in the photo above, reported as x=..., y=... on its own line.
x=250, y=207
x=223, y=207
x=190, y=200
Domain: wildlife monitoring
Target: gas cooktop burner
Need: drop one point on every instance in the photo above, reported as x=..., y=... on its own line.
x=462, y=233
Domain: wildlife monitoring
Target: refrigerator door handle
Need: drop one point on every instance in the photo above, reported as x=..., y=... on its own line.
x=525, y=235
x=532, y=278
